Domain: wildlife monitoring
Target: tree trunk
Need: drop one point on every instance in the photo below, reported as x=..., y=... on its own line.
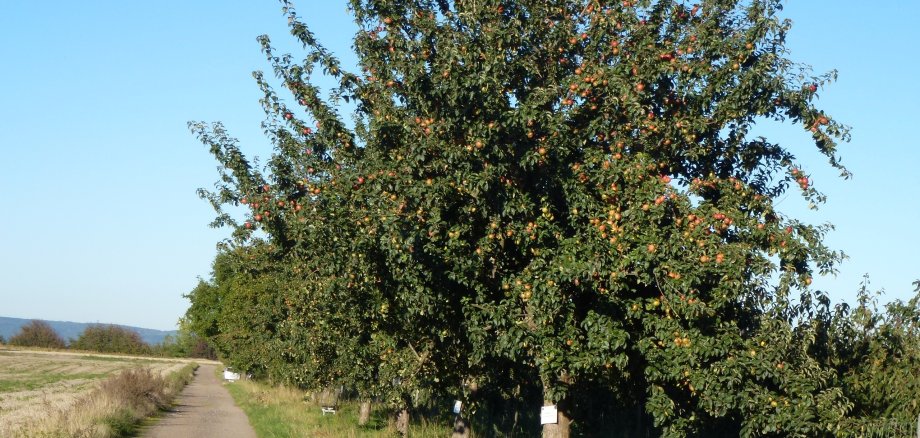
x=517, y=410
x=364, y=412
x=462, y=427
x=560, y=429
x=402, y=423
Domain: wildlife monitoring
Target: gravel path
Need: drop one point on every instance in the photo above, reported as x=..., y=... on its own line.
x=204, y=409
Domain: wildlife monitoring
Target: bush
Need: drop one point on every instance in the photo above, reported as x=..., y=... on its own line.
x=110, y=339
x=141, y=390
x=37, y=334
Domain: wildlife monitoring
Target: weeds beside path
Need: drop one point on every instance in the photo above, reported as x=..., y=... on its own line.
x=280, y=412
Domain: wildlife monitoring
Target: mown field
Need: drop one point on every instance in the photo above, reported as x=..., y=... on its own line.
x=36, y=385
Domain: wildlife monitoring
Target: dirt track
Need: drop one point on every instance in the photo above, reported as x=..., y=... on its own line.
x=204, y=409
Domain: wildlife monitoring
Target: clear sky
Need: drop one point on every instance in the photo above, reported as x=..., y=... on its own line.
x=99, y=220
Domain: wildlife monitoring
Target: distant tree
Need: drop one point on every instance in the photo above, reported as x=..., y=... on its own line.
x=2, y=340
x=876, y=353
x=37, y=334
x=239, y=312
x=184, y=343
x=191, y=344
x=110, y=339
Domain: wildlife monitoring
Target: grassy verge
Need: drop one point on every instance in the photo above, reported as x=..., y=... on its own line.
x=277, y=412
x=116, y=407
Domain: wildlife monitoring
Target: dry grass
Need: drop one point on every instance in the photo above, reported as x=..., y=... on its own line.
x=73, y=396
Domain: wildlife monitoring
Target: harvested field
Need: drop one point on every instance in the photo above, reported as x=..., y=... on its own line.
x=34, y=385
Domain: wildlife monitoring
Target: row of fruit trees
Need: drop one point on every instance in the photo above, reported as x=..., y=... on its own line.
x=550, y=203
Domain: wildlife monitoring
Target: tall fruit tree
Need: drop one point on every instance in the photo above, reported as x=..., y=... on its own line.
x=584, y=180
x=570, y=191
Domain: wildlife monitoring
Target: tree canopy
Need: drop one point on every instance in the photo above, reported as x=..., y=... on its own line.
x=558, y=202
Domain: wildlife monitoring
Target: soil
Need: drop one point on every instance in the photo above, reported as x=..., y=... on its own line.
x=204, y=409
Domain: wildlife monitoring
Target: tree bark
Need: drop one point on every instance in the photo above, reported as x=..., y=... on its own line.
x=402, y=423
x=364, y=412
x=463, y=426
x=561, y=428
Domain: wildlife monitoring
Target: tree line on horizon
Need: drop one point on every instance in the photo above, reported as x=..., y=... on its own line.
x=110, y=338
x=559, y=207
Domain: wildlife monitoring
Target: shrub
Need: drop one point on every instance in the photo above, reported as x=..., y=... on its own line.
x=110, y=339
x=141, y=389
x=37, y=334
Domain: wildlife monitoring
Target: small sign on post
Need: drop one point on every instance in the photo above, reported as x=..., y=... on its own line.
x=457, y=406
x=231, y=375
x=549, y=415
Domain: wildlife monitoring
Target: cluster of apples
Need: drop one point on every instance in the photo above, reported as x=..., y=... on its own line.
x=800, y=178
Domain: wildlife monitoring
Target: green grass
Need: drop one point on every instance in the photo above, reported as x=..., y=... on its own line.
x=282, y=413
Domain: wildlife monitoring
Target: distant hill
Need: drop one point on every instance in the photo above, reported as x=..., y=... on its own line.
x=71, y=330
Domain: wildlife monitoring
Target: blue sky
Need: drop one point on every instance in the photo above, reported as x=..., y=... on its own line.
x=99, y=220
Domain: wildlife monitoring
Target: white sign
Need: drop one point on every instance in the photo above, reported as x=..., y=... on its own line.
x=230, y=375
x=549, y=415
x=457, y=405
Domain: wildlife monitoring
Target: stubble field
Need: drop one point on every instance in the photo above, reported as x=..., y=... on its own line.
x=36, y=385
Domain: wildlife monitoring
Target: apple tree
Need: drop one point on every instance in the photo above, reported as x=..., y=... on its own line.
x=573, y=193
x=583, y=178
x=876, y=353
